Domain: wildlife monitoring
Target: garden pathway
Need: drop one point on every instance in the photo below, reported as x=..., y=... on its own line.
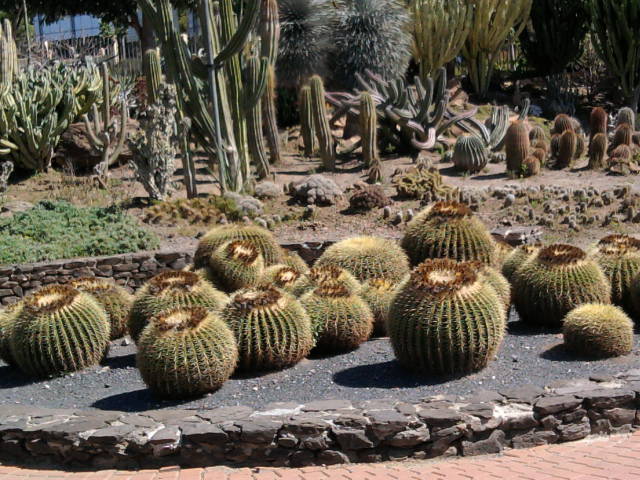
x=614, y=458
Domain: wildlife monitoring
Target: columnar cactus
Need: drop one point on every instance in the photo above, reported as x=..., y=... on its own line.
x=261, y=238
x=562, y=123
x=8, y=56
x=272, y=329
x=622, y=136
x=321, y=124
x=341, y=319
x=59, y=330
x=567, y=149
x=153, y=74
x=440, y=28
x=115, y=300
x=448, y=230
x=470, y=154
x=626, y=115
x=235, y=265
x=186, y=352
x=554, y=282
x=271, y=118
x=598, y=151
x=171, y=290
x=369, y=128
x=367, y=257
x=600, y=331
x=517, y=146
x=598, y=121
x=307, y=127
x=446, y=320
x=493, y=21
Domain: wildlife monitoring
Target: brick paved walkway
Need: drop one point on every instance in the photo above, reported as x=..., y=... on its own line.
x=616, y=458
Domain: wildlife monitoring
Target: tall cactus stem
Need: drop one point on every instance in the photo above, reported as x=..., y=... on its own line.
x=321, y=124
x=369, y=128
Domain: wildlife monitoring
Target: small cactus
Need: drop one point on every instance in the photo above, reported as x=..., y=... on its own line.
x=186, y=352
x=598, y=151
x=517, y=146
x=470, y=154
x=628, y=116
x=562, y=123
x=622, y=136
x=537, y=133
x=597, y=330
x=531, y=166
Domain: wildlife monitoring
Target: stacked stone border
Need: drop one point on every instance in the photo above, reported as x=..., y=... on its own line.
x=323, y=432
x=130, y=269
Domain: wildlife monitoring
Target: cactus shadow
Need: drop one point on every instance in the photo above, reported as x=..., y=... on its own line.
x=12, y=377
x=135, y=401
x=520, y=328
x=120, y=362
x=559, y=353
x=386, y=375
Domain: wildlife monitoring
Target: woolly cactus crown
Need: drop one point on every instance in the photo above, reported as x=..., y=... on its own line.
x=561, y=255
x=180, y=319
x=443, y=276
x=173, y=281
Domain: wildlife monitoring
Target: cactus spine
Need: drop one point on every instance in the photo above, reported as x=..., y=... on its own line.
x=321, y=124
x=107, y=135
x=369, y=129
x=517, y=146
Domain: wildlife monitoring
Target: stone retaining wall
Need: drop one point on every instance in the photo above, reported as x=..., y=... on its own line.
x=323, y=432
x=130, y=270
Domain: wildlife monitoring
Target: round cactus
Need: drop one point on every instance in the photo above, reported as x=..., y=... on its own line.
x=295, y=261
x=271, y=328
x=378, y=293
x=562, y=123
x=318, y=275
x=59, y=330
x=537, y=134
x=517, y=146
x=502, y=252
x=619, y=258
x=470, y=154
x=448, y=230
x=531, y=166
x=170, y=290
x=186, y=352
x=567, y=149
x=342, y=320
x=515, y=260
x=498, y=281
x=446, y=319
x=554, y=146
x=597, y=330
x=622, y=136
x=280, y=276
x=114, y=299
x=367, y=257
x=7, y=319
x=597, y=151
x=556, y=280
x=541, y=155
x=261, y=238
x=598, y=121
x=236, y=265
x=628, y=116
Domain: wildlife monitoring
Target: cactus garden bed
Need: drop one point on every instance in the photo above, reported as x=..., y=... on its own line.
x=527, y=356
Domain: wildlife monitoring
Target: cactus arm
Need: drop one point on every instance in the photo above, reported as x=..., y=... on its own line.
x=122, y=133
x=96, y=143
x=237, y=42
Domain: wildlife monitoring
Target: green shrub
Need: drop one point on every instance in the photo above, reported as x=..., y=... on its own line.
x=56, y=230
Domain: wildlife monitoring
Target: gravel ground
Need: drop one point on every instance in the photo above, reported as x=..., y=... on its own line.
x=527, y=357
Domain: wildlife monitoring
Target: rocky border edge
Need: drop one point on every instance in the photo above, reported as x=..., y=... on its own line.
x=324, y=432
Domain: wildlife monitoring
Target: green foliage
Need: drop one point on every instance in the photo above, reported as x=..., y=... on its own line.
x=446, y=320
x=59, y=330
x=186, y=352
x=596, y=330
x=56, y=230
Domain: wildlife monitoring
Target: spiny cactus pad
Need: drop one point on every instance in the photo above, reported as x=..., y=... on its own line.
x=320, y=275
x=271, y=328
x=558, y=279
x=341, y=319
x=515, y=260
x=596, y=330
x=261, y=238
x=186, y=352
x=114, y=299
x=236, y=265
x=619, y=258
x=367, y=257
x=448, y=230
x=59, y=330
x=446, y=320
x=170, y=290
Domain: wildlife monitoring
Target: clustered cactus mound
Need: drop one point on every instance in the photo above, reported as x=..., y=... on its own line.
x=170, y=290
x=379, y=293
x=446, y=319
x=186, y=352
x=236, y=265
x=114, y=299
x=341, y=319
x=619, y=258
x=597, y=330
x=517, y=257
x=319, y=275
x=7, y=320
x=448, y=230
x=261, y=238
x=556, y=280
x=271, y=328
x=59, y=330
x=367, y=257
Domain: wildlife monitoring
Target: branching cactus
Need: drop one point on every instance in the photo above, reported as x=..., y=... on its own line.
x=106, y=134
x=493, y=21
x=155, y=149
x=440, y=30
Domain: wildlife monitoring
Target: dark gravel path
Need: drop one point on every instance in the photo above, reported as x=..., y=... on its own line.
x=527, y=357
